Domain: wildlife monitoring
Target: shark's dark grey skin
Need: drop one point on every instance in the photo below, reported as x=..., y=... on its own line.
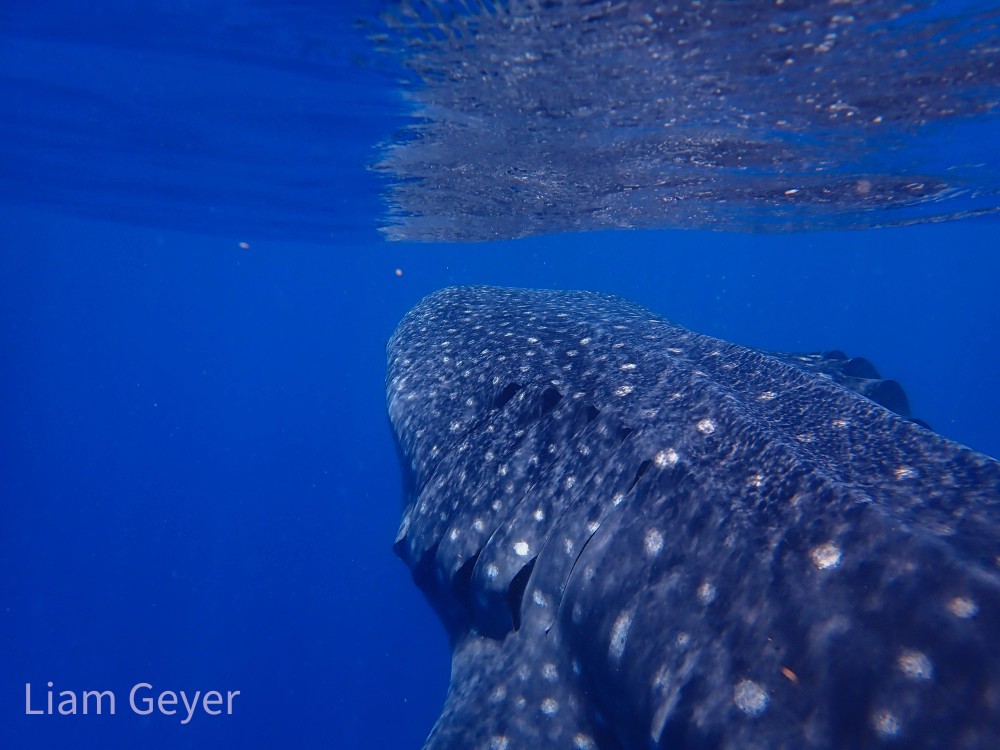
x=638, y=536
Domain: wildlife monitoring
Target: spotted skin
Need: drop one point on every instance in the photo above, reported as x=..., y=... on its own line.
x=638, y=536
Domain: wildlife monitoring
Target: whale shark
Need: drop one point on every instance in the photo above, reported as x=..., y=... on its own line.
x=637, y=536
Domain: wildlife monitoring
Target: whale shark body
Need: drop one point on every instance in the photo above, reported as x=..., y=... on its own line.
x=637, y=536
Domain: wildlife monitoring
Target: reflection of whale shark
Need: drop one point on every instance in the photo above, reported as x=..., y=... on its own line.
x=638, y=537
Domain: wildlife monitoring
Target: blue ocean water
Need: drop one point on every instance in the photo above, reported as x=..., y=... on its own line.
x=198, y=484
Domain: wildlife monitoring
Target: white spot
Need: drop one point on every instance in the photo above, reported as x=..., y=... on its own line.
x=942, y=529
x=532, y=340
x=623, y=390
x=549, y=672
x=502, y=471
x=826, y=556
x=915, y=665
x=478, y=524
x=628, y=367
x=885, y=723
x=583, y=742
x=617, y=499
x=757, y=480
x=750, y=698
x=539, y=514
x=619, y=635
x=404, y=527
x=499, y=742
x=492, y=571
x=666, y=458
x=963, y=607
x=839, y=423
x=521, y=549
x=767, y=396
x=706, y=426
x=593, y=526
x=455, y=426
x=653, y=542
x=568, y=546
x=453, y=534
x=570, y=481
x=683, y=639
x=905, y=472
x=706, y=593
x=539, y=598
x=550, y=706
x=585, y=341
x=662, y=679
x=498, y=695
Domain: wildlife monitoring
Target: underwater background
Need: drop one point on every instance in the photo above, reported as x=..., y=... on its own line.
x=198, y=484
